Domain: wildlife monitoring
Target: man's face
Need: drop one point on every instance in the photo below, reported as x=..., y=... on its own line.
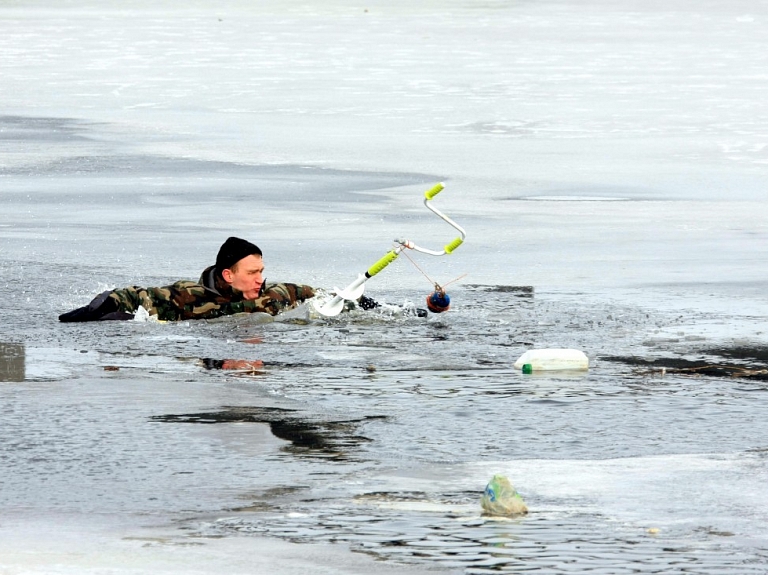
x=247, y=276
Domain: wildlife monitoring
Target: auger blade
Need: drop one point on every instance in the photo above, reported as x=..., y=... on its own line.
x=354, y=290
x=331, y=308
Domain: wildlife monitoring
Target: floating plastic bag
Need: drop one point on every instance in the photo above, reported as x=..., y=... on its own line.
x=500, y=498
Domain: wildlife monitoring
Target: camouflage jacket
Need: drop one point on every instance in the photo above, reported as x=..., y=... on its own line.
x=207, y=298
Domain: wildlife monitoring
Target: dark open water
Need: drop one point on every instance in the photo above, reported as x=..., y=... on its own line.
x=388, y=427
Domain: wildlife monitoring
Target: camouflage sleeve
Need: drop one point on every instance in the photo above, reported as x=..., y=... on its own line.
x=189, y=300
x=129, y=299
x=276, y=298
x=168, y=303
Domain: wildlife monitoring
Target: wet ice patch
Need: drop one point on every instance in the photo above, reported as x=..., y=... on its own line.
x=574, y=199
x=677, y=493
x=512, y=128
x=47, y=364
x=53, y=364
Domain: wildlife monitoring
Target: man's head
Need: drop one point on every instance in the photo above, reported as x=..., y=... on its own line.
x=240, y=264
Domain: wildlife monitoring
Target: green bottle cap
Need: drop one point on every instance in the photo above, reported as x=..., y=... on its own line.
x=527, y=368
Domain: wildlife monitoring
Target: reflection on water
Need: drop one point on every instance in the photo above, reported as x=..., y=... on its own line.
x=240, y=366
x=309, y=436
x=11, y=362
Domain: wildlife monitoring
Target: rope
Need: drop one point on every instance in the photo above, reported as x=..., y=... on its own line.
x=438, y=287
x=418, y=268
x=455, y=280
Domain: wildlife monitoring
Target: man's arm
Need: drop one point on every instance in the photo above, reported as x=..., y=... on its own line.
x=187, y=300
x=276, y=298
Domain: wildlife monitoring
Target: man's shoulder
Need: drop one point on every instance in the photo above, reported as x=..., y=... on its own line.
x=187, y=290
x=200, y=290
x=187, y=284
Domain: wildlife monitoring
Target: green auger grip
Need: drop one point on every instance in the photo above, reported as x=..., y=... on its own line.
x=388, y=258
x=453, y=245
x=433, y=191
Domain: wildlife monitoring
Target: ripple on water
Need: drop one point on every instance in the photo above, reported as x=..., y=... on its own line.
x=365, y=392
x=552, y=542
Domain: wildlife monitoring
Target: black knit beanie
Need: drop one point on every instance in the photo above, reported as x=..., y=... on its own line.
x=232, y=251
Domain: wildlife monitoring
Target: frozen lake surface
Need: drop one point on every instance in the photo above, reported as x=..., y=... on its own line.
x=609, y=164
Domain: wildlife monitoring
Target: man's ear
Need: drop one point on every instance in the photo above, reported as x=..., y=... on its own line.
x=227, y=275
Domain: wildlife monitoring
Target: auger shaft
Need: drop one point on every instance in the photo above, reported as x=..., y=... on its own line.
x=356, y=289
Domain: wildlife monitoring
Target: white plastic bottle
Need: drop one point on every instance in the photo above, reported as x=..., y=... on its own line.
x=552, y=359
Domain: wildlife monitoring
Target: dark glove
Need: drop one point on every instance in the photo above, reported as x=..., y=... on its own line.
x=367, y=303
x=102, y=307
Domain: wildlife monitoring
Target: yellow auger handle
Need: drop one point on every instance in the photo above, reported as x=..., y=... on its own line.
x=433, y=191
x=388, y=258
x=453, y=245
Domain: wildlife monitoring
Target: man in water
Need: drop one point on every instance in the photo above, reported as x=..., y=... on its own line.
x=235, y=284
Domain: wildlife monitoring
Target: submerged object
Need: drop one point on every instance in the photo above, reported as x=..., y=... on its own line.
x=552, y=359
x=500, y=498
